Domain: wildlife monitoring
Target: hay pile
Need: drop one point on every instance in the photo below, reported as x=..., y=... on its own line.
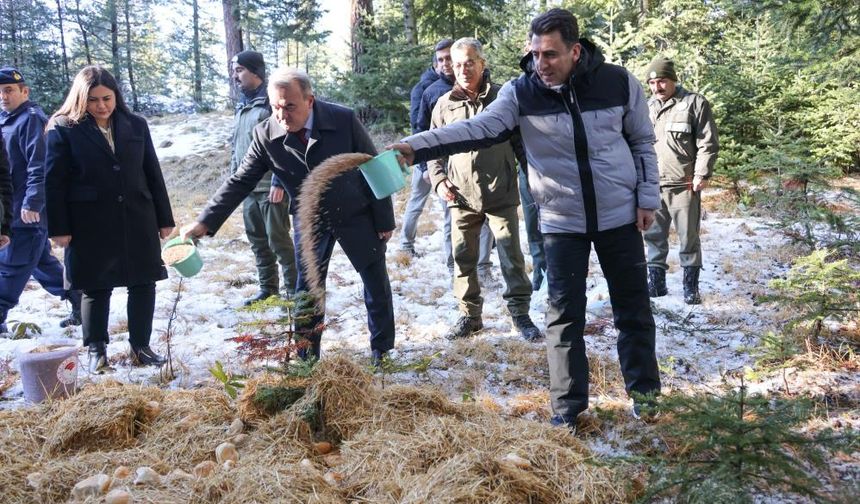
x=401, y=444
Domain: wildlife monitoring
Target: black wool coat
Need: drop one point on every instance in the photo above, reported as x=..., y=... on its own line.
x=351, y=212
x=112, y=204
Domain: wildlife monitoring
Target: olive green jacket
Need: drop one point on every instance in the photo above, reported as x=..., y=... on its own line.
x=486, y=178
x=248, y=115
x=687, y=143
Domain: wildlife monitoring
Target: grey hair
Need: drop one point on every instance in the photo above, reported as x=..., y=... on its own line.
x=467, y=42
x=284, y=77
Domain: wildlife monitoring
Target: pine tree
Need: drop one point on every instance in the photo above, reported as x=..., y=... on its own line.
x=727, y=448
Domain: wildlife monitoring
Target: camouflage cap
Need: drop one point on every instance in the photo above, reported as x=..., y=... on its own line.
x=661, y=68
x=9, y=75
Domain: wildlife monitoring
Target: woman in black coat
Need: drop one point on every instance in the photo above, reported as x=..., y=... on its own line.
x=108, y=206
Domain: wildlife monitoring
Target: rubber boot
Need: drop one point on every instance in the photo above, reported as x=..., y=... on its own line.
x=657, y=282
x=691, y=285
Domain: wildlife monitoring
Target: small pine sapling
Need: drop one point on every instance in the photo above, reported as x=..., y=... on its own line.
x=277, y=339
x=726, y=448
x=818, y=288
x=167, y=371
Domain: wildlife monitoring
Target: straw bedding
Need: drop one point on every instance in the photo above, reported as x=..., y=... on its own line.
x=400, y=444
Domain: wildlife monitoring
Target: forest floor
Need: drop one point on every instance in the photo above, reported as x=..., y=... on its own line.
x=705, y=349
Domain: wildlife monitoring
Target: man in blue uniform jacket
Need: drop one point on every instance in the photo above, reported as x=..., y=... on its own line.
x=302, y=133
x=23, y=126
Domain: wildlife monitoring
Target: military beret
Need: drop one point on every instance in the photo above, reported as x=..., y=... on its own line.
x=661, y=68
x=9, y=75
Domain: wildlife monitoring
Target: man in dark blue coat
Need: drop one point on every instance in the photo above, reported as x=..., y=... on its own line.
x=5, y=195
x=23, y=126
x=302, y=133
x=420, y=188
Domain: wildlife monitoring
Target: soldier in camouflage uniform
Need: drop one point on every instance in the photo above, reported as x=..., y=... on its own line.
x=686, y=152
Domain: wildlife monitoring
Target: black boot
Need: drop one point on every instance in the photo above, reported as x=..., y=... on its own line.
x=465, y=327
x=527, y=328
x=74, y=318
x=98, y=358
x=144, y=356
x=657, y=282
x=691, y=285
x=4, y=331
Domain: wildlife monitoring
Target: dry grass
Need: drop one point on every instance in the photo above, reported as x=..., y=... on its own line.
x=400, y=444
x=532, y=405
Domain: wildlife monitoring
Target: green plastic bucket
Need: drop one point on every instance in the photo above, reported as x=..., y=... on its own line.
x=384, y=174
x=187, y=266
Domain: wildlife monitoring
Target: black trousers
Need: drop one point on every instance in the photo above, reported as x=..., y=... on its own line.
x=377, y=296
x=622, y=259
x=95, y=311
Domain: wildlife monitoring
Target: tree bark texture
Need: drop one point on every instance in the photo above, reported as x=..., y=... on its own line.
x=63, y=42
x=360, y=24
x=84, y=33
x=195, y=48
x=129, y=65
x=114, y=40
x=410, y=29
x=233, y=39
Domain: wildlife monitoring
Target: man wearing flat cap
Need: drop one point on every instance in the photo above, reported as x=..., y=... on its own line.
x=266, y=211
x=22, y=123
x=686, y=148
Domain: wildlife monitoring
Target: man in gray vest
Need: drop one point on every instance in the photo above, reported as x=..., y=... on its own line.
x=686, y=148
x=266, y=209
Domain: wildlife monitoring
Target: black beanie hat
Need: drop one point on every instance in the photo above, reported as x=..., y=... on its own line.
x=661, y=68
x=10, y=75
x=253, y=61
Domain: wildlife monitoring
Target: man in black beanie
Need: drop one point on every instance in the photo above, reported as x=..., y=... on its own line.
x=686, y=148
x=266, y=209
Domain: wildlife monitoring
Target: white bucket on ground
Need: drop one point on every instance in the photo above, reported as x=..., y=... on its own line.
x=51, y=372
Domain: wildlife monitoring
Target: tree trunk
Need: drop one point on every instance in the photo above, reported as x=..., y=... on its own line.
x=360, y=23
x=13, y=36
x=233, y=39
x=63, y=42
x=409, y=27
x=198, y=69
x=84, y=34
x=128, y=61
x=114, y=40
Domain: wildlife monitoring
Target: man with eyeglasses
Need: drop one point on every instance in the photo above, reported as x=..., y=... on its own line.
x=480, y=187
